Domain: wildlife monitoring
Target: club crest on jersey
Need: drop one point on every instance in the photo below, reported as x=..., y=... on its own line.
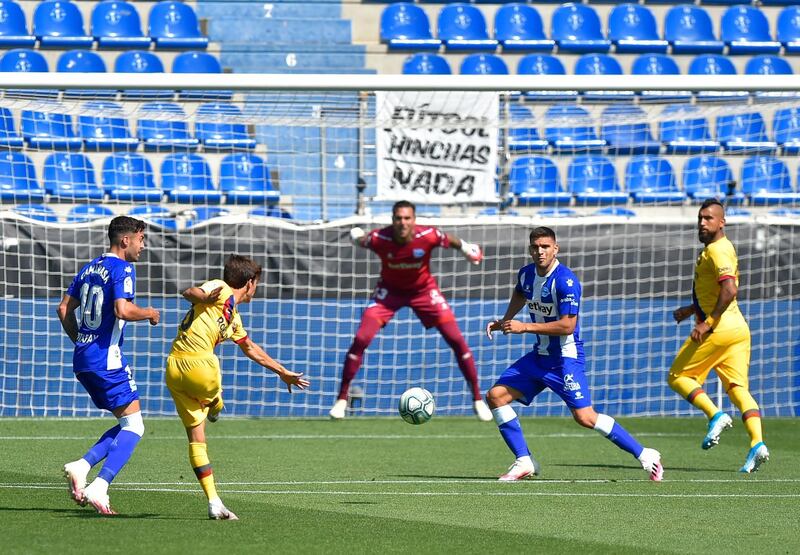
x=227, y=309
x=418, y=253
x=545, y=291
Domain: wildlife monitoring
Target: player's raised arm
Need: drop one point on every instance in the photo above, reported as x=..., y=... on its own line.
x=471, y=251
x=66, y=314
x=358, y=237
x=515, y=304
x=125, y=309
x=197, y=295
x=259, y=356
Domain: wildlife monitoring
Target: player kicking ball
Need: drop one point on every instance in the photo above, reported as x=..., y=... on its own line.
x=103, y=291
x=553, y=296
x=193, y=372
x=405, y=252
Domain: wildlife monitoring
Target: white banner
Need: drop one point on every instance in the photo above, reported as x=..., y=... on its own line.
x=437, y=147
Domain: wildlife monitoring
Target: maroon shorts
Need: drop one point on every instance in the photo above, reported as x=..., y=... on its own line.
x=427, y=303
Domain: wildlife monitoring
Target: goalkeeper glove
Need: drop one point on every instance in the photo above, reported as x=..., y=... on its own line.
x=356, y=234
x=471, y=252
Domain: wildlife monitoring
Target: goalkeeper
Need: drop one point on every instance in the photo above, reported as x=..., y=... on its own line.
x=405, y=252
x=193, y=372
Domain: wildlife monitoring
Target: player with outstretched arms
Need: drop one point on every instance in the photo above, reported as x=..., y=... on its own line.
x=193, y=373
x=720, y=338
x=103, y=292
x=405, y=252
x=552, y=294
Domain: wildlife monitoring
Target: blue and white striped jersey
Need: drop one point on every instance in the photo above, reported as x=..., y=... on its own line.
x=549, y=298
x=100, y=333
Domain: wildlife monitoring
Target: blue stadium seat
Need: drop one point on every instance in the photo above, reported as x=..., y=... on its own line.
x=9, y=138
x=689, y=30
x=746, y=31
x=244, y=179
x=58, y=24
x=744, y=133
x=18, y=179
x=768, y=65
x=69, y=176
x=116, y=24
x=709, y=176
x=650, y=180
x=158, y=215
x=186, y=177
x=576, y=28
x=523, y=136
x=174, y=25
x=557, y=213
x=463, y=27
x=543, y=64
x=129, y=177
x=13, y=28
x=570, y=129
x=221, y=126
x=141, y=61
x=659, y=64
x=49, y=131
x=601, y=64
x=88, y=213
x=80, y=61
x=24, y=61
x=615, y=211
x=405, y=26
x=199, y=62
x=40, y=212
x=789, y=29
x=519, y=27
x=103, y=126
x=632, y=28
x=786, y=129
x=592, y=180
x=202, y=214
x=483, y=64
x=426, y=64
x=159, y=131
x=271, y=212
x=766, y=181
x=684, y=131
x=782, y=212
x=737, y=212
x=626, y=130
x=714, y=64
x=534, y=180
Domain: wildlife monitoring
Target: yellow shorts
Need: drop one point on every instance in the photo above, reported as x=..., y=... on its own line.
x=728, y=352
x=195, y=383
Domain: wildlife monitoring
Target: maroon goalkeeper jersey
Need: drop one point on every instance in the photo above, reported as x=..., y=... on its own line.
x=406, y=266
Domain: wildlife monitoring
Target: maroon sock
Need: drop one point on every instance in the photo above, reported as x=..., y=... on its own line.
x=352, y=360
x=466, y=361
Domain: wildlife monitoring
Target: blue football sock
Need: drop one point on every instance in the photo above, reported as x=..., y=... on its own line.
x=119, y=453
x=99, y=450
x=512, y=435
x=620, y=437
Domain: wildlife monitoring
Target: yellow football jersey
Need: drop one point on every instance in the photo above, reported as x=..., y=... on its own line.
x=207, y=325
x=716, y=263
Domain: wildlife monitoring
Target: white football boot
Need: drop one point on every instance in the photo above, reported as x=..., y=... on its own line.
x=522, y=468
x=482, y=411
x=651, y=462
x=75, y=472
x=218, y=511
x=339, y=409
x=96, y=495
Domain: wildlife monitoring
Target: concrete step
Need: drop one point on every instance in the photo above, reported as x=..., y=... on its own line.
x=269, y=10
x=232, y=31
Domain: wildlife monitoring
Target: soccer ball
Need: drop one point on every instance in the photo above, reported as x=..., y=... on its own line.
x=416, y=405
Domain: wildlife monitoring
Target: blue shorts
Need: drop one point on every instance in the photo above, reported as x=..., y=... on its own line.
x=110, y=389
x=533, y=372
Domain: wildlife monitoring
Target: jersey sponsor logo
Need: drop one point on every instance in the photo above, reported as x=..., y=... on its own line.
x=418, y=253
x=127, y=285
x=86, y=338
x=404, y=265
x=571, y=385
x=544, y=309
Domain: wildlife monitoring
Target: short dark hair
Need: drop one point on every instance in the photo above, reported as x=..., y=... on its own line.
x=540, y=232
x=712, y=202
x=239, y=270
x=123, y=225
x=403, y=204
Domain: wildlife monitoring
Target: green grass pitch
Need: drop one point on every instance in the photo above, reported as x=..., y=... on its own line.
x=383, y=486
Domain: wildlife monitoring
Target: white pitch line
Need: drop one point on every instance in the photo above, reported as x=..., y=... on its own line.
x=580, y=435
x=459, y=493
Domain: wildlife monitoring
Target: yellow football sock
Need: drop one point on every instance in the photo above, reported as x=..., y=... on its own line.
x=751, y=416
x=692, y=392
x=198, y=458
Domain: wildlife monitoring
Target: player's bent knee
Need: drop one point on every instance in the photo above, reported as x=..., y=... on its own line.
x=132, y=423
x=498, y=396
